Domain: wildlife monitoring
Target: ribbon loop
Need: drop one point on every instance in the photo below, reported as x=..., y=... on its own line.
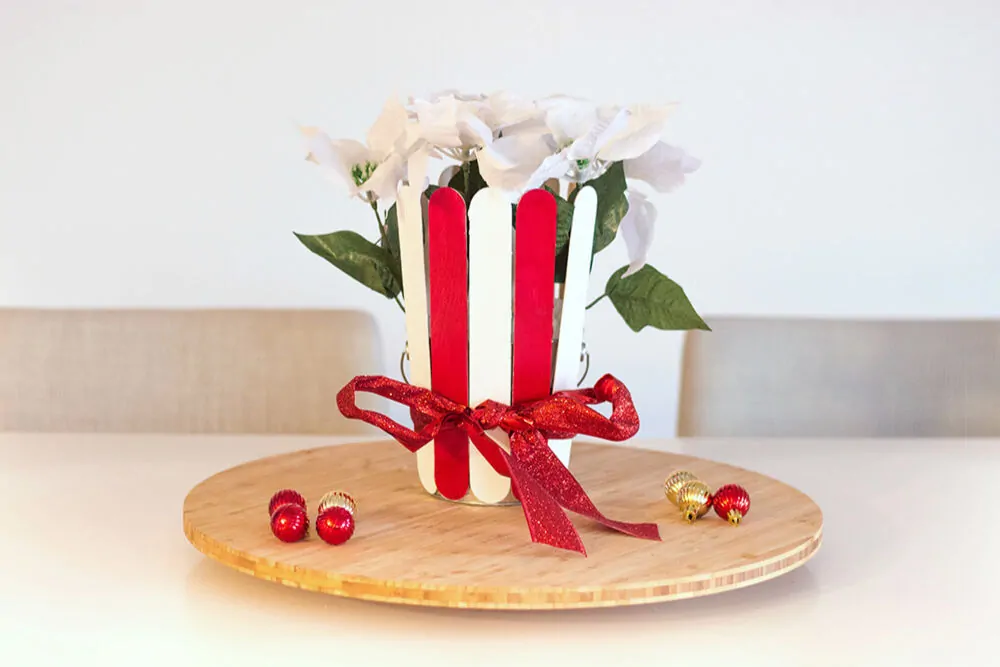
x=544, y=485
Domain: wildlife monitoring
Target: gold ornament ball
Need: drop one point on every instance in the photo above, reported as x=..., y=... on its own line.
x=694, y=498
x=338, y=499
x=674, y=482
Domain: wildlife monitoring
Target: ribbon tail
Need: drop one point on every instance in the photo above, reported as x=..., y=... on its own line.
x=530, y=450
x=547, y=522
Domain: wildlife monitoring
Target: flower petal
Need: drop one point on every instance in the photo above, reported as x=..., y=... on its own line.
x=416, y=168
x=388, y=129
x=384, y=182
x=335, y=158
x=508, y=162
x=517, y=151
x=410, y=140
x=644, y=127
x=663, y=166
x=449, y=92
x=588, y=147
x=508, y=180
x=554, y=166
x=514, y=163
x=438, y=122
x=472, y=130
x=569, y=119
x=637, y=230
x=557, y=100
x=503, y=110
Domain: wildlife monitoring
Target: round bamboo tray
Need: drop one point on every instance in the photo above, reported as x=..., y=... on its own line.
x=412, y=548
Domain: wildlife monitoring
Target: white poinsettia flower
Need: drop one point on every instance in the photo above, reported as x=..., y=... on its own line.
x=502, y=111
x=519, y=162
x=637, y=230
x=452, y=126
x=371, y=171
x=579, y=140
x=614, y=135
x=450, y=92
x=497, y=110
x=458, y=125
x=663, y=166
x=531, y=152
x=633, y=131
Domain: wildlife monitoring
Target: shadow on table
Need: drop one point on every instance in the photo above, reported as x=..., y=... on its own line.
x=219, y=599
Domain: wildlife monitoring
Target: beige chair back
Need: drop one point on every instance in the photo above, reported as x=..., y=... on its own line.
x=830, y=378
x=181, y=371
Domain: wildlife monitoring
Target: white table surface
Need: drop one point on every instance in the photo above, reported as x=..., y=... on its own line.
x=907, y=575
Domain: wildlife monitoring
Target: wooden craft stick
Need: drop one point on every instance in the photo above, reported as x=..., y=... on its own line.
x=534, y=291
x=449, y=326
x=574, y=303
x=490, y=277
x=411, y=250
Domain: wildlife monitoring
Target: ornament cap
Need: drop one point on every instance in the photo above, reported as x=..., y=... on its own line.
x=694, y=499
x=734, y=517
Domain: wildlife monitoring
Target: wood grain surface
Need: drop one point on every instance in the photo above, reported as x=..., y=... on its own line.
x=412, y=548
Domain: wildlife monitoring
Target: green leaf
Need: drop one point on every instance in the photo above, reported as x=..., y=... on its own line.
x=648, y=297
x=476, y=182
x=564, y=221
x=392, y=242
x=611, y=204
x=562, y=257
x=358, y=257
x=392, y=236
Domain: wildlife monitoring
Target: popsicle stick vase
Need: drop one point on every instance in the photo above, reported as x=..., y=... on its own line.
x=482, y=320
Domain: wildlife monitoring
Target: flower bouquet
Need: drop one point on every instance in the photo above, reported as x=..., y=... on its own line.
x=492, y=262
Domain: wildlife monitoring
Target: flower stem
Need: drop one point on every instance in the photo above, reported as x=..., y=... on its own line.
x=382, y=233
x=381, y=227
x=595, y=301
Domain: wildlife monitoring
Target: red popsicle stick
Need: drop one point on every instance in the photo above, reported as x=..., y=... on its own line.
x=447, y=266
x=534, y=276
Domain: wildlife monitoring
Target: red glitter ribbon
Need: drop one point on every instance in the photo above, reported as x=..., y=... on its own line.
x=540, y=480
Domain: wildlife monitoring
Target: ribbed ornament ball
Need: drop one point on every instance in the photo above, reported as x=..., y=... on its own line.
x=732, y=503
x=289, y=522
x=283, y=497
x=338, y=499
x=674, y=482
x=335, y=525
x=695, y=499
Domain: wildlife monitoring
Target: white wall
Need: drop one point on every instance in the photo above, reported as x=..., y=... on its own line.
x=851, y=149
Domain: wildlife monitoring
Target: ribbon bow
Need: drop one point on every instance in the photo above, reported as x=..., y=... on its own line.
x=540, y=480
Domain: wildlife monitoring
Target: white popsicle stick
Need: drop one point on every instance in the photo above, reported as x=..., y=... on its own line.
x=574, y=304
x=490, y=311
x=414, y=269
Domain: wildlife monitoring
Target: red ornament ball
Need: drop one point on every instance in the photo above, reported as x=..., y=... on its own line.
x=283, y=497
x=289, y=522
x=732, y=503
x=335, y=525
